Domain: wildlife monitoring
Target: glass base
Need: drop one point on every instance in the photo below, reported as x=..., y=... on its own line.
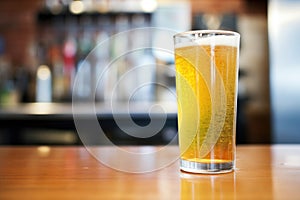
x=206, y=168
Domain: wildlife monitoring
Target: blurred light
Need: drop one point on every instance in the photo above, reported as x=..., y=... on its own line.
x=148, y=5
x=212, y=21
x=88, y=5
x=41, y=108
x=101, y=6
x=55, y=6
x=284, y=27
x=292, y=161
x=76, y=7
x=43, y=150
x=43, y=72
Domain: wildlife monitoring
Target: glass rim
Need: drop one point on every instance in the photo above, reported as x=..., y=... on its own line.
x=207, y=33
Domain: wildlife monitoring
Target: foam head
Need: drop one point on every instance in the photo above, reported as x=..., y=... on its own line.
x=193, y=38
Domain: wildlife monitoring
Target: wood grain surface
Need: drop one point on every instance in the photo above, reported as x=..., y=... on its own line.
x=41, y=172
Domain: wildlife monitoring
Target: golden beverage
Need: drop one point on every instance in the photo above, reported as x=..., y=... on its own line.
x=206, y=85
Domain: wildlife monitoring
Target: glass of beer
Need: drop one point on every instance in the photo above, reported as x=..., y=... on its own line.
x=207, y=64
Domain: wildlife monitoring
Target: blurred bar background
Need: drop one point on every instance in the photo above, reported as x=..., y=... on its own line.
x=44, y=42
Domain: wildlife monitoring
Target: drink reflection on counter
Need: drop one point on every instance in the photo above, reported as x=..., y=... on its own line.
x=234, y=185
x=207, y=186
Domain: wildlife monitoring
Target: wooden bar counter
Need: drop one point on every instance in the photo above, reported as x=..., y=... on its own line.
x=41, y=172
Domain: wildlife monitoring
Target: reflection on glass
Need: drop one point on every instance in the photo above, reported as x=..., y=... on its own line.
x=208, y=186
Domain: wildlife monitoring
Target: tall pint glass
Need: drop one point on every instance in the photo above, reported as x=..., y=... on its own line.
x=207, y=64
